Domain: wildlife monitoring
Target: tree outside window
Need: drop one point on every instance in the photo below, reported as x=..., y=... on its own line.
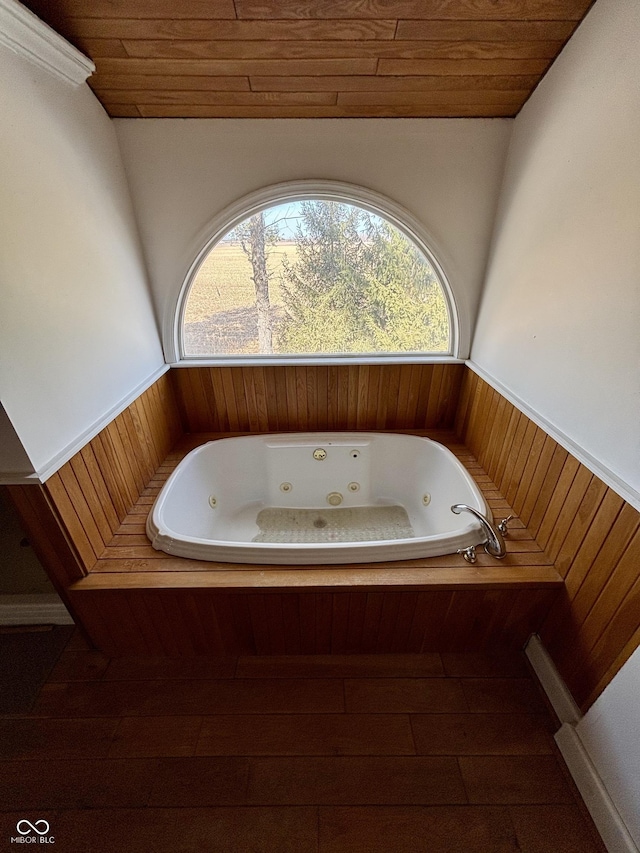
x=315, y=277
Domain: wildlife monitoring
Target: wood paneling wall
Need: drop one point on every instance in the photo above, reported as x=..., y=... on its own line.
x=589, y=531
x=585, y=528
x=82, y=505
x=318, y=397
x=138, y=600
x=185, y=622
x=53, y=547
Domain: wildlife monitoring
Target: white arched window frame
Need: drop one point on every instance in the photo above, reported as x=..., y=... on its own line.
x=296, y=191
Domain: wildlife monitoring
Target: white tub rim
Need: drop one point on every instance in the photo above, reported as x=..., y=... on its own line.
x=334, y=553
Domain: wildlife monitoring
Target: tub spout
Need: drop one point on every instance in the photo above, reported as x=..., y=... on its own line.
x=493, y=543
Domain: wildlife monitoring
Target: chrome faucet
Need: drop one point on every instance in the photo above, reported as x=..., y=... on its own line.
x=494, y=543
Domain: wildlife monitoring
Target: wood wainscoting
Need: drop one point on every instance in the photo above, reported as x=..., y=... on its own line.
x=95, y=490
x=141, y=601
x=318, y=397
x=585, y=528
x=569, y=524
x=131, y=599
x=71, y=518
x=183, y=621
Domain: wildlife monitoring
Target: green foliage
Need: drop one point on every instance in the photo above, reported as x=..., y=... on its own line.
x=349, y=283
x=406, y=306
x=358, y=285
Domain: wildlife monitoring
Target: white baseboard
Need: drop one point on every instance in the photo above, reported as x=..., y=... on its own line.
x=602, y=809
x=606, y=817
x=33, y=610
x=557, y=691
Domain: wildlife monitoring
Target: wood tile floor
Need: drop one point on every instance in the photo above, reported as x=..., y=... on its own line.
x=383, y=754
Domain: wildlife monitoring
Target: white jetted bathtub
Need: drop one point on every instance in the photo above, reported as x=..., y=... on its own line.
x=305, y=498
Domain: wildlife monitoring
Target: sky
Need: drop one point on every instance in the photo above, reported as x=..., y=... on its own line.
x=288, y=216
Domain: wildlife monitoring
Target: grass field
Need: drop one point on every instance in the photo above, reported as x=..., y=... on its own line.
x=224, y=281
x=220, y=315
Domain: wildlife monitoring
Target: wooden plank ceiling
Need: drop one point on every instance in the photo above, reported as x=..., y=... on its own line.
x=315, y=58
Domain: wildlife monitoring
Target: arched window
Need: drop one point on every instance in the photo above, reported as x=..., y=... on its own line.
x=329, y=273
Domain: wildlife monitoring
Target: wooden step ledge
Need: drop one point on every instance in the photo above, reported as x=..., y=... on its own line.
x=370, y=579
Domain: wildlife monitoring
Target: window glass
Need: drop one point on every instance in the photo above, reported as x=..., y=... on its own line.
x=315, y=277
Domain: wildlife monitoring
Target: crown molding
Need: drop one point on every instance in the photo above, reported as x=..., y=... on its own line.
x=25, y=34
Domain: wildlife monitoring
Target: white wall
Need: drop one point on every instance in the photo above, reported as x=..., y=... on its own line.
x=77, y=329
x=560, y=313
x=446, y=173
x=610, y=733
